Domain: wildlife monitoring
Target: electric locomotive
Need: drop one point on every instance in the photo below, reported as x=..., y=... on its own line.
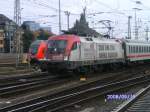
x=75, y=53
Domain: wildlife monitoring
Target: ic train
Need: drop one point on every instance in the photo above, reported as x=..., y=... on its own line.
x=75, y=53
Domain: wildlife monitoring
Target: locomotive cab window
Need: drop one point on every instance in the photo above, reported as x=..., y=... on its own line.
x=57, y=46
x=74, y=46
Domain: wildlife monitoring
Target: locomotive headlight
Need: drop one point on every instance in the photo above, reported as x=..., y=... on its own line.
x=65, y=58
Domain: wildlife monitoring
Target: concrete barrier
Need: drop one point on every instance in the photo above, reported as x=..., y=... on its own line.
x=12, y=57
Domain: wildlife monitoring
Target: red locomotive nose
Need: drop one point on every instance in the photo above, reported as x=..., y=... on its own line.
x=37, y=50
x=59, y=47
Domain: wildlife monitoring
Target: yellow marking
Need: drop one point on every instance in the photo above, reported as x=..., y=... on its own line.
x=83, y=78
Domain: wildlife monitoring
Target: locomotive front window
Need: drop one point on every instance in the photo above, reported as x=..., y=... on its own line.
x=34, y=47
x=57, y=46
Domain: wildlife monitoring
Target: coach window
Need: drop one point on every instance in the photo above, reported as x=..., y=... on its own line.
x=139, y=49
x=146, y=48
x=136, y=49
x=74, y=47
x=131, y=49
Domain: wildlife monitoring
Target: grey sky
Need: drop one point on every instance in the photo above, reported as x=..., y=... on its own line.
x=115, y=10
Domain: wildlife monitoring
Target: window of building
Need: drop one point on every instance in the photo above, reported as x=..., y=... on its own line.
x=1, y=41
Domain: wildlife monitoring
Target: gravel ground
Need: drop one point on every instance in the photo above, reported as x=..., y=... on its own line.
x=100, y=104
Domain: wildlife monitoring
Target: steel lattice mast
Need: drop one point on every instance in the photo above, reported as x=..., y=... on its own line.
x=17, y=12
x=17, y=19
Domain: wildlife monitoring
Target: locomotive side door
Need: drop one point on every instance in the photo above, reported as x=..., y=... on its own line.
x=75, y=53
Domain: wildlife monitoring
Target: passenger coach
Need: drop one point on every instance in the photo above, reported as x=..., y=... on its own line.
x=137, y=51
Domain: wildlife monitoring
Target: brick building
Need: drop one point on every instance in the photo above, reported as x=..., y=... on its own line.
x=8, y=27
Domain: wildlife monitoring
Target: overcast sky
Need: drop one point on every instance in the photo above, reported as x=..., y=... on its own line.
x=115, y=10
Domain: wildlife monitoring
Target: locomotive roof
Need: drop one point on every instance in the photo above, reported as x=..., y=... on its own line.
x=97, y=40
x=136, y=41
x=37, y=42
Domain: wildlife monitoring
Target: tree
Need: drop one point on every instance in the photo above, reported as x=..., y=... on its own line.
x=81, y=28
x=28, y=38
x=43, y=35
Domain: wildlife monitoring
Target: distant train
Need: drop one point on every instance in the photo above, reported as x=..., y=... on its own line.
x=75, y=53
x=36, y=52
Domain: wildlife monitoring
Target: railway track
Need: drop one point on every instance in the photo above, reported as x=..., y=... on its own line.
x=10, y=85
x=62, y=99
x=16, y=88
x=139, y=103
x=25, y=83
x=34, y=83
x=28, y=83
x=16, y=77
